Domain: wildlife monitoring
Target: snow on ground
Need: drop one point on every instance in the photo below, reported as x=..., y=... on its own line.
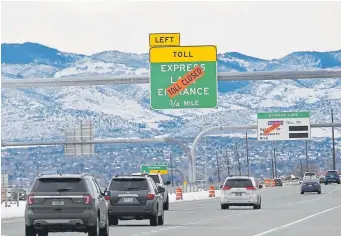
x=14, y=211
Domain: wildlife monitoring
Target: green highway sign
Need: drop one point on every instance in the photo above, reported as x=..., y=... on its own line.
x=161, y=169
x=170, y=64
x=275, y=126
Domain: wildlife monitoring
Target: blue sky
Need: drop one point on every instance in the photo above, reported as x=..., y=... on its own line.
x=261, y=29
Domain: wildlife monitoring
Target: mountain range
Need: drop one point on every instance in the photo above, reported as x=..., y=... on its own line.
x=124, y=110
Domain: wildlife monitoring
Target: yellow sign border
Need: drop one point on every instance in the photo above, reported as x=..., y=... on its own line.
x=202, y=50
x=177, y=34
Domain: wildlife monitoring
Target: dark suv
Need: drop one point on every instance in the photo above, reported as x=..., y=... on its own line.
x=66, y=203
x=135, y=197
x=332, y=177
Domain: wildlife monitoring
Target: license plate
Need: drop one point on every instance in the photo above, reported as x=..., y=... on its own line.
x=128, y=199
x=58, y=203
x=238, y=194
x=310, y=185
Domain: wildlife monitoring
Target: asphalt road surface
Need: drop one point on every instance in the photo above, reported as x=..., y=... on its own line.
x=284, y=212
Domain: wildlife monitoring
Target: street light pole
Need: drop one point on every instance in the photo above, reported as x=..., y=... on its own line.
x=333, y=140
x=306, y=155
x=247, y=156
x=171, y=162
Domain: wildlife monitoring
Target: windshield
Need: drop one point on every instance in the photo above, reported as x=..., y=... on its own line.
x=59, y=184
x=128, y=184
x=238, y=183
x=155, y=178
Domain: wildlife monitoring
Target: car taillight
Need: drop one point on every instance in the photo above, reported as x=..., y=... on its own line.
x=250, y=188
x=30, y=199
x=226, y=188
x=150, y=196
x=87, y=199
x=107, y=198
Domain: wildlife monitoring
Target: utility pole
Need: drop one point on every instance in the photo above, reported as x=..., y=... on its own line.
x=306, y=155
x=171, y=162
x=273, y=168
x=275, y=161
x=247, y=156
x=228, y=164
x=239, y=166
x=301, y=168
x=218, y=171
x=333, y=140
x=205, y=160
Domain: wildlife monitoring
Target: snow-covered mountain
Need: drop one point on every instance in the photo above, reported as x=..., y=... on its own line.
x=124, y=111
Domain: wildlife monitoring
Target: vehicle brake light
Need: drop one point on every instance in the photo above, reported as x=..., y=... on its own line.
x=250, y=188
x=107, y=198
x=30, y=199
x=87, y=199
x=150, y=196
x=226, y=188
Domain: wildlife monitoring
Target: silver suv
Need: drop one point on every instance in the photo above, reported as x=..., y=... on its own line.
x=135, y=197
x=66, y=203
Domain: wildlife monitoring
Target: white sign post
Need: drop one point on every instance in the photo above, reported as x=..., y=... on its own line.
x=275, y=126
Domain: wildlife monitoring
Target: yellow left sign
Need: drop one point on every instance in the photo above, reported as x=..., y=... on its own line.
x=164, y=39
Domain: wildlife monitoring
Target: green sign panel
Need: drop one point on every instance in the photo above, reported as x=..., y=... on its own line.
x=157, y=169
x=170, y=64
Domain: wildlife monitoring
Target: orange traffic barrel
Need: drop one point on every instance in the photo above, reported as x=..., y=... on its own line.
x=178, y=193
x=211, y=191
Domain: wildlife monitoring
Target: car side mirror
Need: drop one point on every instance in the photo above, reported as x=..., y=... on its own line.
x=161, y=189
x=167, y=182
x=260, y=186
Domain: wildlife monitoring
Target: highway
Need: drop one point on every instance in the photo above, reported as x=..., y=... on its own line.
x=284, y=212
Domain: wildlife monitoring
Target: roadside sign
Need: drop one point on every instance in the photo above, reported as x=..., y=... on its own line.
x=154, y=169
x=274, y=126
x=171, y=66
x=164, y=39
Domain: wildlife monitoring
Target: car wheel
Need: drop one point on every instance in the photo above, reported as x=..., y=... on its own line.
x=30, y=231
x=319, y=192
x=113, y=220
x=338, y=182
x=105, y=231
x=161, y=218
x=154, y=220
x=94, y=230
x=43, y=233
x=166, y=205
x=302, y=192
x=224, y=206
x=325, y=183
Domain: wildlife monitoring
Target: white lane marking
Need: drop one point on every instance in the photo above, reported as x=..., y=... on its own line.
x=296, y=222
x=243, y=213
x=310, y=200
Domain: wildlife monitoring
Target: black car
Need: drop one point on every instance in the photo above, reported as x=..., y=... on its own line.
x=135, y=197
x=311, y=185
x=278, y=182
x=66, y=203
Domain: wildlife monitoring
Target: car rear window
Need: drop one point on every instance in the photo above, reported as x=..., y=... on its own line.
x=128, y=184
x=59, y=185
x=155, y=178
x=310, y=174
x=332, y=173
x=238, y=183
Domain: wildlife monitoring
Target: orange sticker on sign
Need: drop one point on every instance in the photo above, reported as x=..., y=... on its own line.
x=271, y=128
x=188, y=79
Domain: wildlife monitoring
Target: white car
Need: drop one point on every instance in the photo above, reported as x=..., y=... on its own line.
x=310, y=175
x=240, y=191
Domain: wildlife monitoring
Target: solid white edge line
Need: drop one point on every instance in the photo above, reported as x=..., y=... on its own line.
x=296, y=222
